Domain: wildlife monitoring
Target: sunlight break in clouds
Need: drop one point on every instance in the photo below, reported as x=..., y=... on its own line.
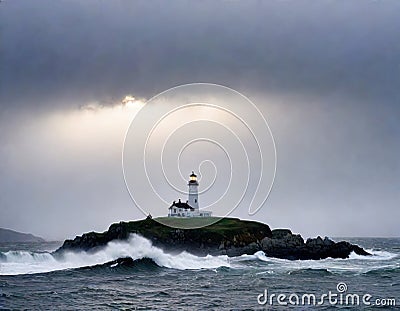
x=66, y=158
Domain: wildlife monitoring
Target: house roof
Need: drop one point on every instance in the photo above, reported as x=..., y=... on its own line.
x=181, y=205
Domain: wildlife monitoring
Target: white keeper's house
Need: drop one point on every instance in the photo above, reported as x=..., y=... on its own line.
x=191, y=207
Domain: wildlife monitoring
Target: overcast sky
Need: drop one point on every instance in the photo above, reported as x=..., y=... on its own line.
x=325, y=74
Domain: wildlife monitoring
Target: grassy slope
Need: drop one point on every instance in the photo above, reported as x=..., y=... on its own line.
x=222, y=227
x=193, y=222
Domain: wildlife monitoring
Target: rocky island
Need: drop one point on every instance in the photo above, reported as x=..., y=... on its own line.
x=228, y=236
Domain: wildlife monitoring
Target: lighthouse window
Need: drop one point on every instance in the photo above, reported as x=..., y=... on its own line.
x=195, y=200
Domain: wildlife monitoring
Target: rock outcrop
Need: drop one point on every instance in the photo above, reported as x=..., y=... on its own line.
x=228, y=236
x=284, y=244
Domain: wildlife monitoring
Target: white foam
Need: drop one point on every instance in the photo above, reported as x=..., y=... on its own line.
x=137, y=247
x=22, y=262
x=376, y=255
x=260, y=255
x=354, y=264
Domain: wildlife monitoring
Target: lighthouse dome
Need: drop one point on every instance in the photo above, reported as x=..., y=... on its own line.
x=193, y=178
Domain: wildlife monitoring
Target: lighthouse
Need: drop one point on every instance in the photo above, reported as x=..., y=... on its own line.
x=191, y=207
x=193, y=199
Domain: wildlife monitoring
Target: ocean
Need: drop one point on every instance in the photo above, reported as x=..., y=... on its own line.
x=147, y=278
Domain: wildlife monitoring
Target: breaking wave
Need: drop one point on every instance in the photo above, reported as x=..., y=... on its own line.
x=139, y=253
x=376, y=255
x=137, y=247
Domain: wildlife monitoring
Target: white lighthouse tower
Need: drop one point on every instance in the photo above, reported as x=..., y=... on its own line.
x=193, y=199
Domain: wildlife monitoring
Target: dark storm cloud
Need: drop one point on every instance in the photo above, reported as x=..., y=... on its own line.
x=326, y=75
x=91, y=48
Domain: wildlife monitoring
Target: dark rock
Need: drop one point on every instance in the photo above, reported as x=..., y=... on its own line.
x=293, y=247
x=280, y=233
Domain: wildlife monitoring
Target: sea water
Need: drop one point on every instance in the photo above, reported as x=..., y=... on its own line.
x=31, y=278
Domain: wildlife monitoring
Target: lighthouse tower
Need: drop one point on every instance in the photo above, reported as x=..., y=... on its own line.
x=193, y=199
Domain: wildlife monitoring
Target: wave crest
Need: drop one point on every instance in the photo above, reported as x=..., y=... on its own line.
x=136, y=247
x=376, y=255
x=139, y=253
